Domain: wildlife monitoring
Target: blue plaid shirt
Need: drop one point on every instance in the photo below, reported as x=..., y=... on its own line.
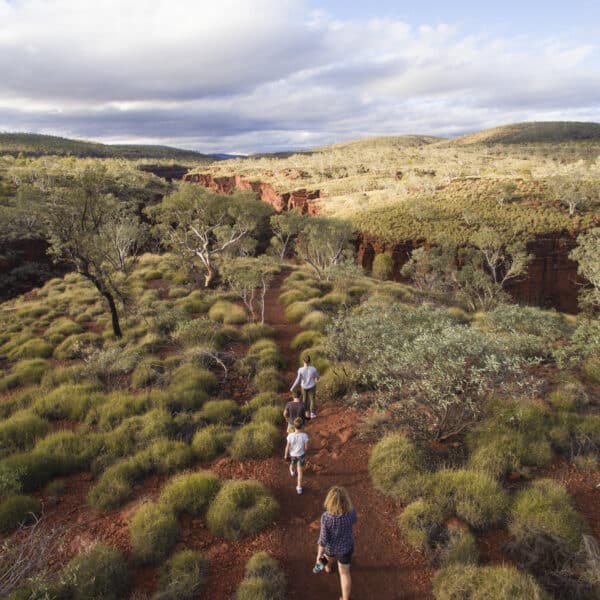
x=336, y=533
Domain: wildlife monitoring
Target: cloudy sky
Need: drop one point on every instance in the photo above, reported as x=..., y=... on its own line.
x=264, y=75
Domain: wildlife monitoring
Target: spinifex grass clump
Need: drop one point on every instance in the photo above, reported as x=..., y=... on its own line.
x=263, y=579
x=115, y=485
x=496, y=582
x=227, y=313
x=17, y=510
x=255, y=440
x=268, y=380
x=219, y=411
x=20, y=432
x=154, y=530
x=306, y=339
x=100, y=573
x=262, y=399
x=69, y=401
x=25, y=372
x=183, y=576
x=545, y=506
x=211, y=441
x=35, y=348
x=190, y=492
x=397, y=467
x=241, y=508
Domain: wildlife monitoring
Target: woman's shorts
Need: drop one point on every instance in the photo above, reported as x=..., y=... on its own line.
x=345, y=558
x=298, y=460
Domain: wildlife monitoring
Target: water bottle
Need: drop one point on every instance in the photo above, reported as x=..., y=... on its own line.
x=320, y=565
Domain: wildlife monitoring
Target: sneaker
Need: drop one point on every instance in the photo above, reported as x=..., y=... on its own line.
x=292, y=471
x=299, y=490
x=313, y=416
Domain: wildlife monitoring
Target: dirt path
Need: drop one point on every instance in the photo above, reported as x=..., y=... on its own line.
x=384, y=567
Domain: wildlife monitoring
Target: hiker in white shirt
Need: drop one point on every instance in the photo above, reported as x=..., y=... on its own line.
x=297, y=443
x=307, y=377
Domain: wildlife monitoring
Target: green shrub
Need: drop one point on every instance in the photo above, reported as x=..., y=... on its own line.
x=306, y=339
x=76, y=346
x=316, y=320
x=219, y=411
x=241, y=508
x=69, y=401
x=331, y=302
x=190, y=492
x=34, y=311
x=211, y=441
x=263, y=580
x=256, y=331
x=291, y=296
x=268, y=380
x=18, y=510
x=268, y=414
x=591, y=370
x=119, y=406
x=499, y=451
x=100, y=573
x=227, y=313
x=472, y=496
x=17, y=401
x=395, y=467
x=255, y=440
x=152, y=275
x=195, y=303
x=262, y=399
x=498, y=582
x=183, y=576
x=419, y=521
x=383, y=266
x=296, y=311
x=154, y=531
x=25, y=372
x=35, y=348
x=318, y=360
x=21, y=431
x=545, y=506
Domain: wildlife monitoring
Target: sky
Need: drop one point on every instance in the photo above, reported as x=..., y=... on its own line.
x=244, y=76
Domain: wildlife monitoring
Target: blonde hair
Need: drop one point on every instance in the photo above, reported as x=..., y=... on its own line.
x=337, y=501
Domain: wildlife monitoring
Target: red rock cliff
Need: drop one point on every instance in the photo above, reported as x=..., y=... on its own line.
x=227, y=184
x=551, y=280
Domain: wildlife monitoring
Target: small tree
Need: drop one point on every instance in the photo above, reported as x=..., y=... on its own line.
x=250, y=279
x=286, y=226
x=96, y=233
x=324, y=243
x=197, y=223
x=587, y=255
x=572, y=192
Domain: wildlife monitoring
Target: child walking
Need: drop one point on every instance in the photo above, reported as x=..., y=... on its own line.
x=297, y=443
x=293, y=410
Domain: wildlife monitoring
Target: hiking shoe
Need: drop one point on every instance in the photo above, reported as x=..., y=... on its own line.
x=292, y=471
x=299, y=490
x=313, y=416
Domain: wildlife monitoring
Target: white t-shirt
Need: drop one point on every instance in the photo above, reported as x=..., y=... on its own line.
x=307, y=377
x=297, y=440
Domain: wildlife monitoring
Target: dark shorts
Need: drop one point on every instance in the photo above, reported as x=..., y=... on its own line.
x=298, y=460
x=345, y=559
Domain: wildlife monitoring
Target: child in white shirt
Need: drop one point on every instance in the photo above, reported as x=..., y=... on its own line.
x=297, y=443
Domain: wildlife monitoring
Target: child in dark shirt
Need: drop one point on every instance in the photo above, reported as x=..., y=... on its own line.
x=293, y=410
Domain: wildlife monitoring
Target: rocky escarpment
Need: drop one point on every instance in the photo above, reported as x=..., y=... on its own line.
x=551, y=280
x=167, y=172
x=301, y=199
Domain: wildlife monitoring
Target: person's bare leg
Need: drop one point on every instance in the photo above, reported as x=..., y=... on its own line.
x=329, y=565
x=345, y=580
x=300, y=471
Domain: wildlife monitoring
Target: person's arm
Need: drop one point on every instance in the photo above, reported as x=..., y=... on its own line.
x=317, y=376
x=296, y=382
x=305, y=444
x=287, y=449
x=285, y=413
x=323, y=538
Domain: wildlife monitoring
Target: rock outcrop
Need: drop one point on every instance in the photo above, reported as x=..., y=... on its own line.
x=227, y=184
x=551, y=280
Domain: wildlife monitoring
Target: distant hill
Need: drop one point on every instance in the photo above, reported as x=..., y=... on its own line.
x=530, y=133
x=398, y=141
x=33, y=144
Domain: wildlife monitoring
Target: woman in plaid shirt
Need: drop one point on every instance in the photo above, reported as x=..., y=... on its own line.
x=335, y=540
